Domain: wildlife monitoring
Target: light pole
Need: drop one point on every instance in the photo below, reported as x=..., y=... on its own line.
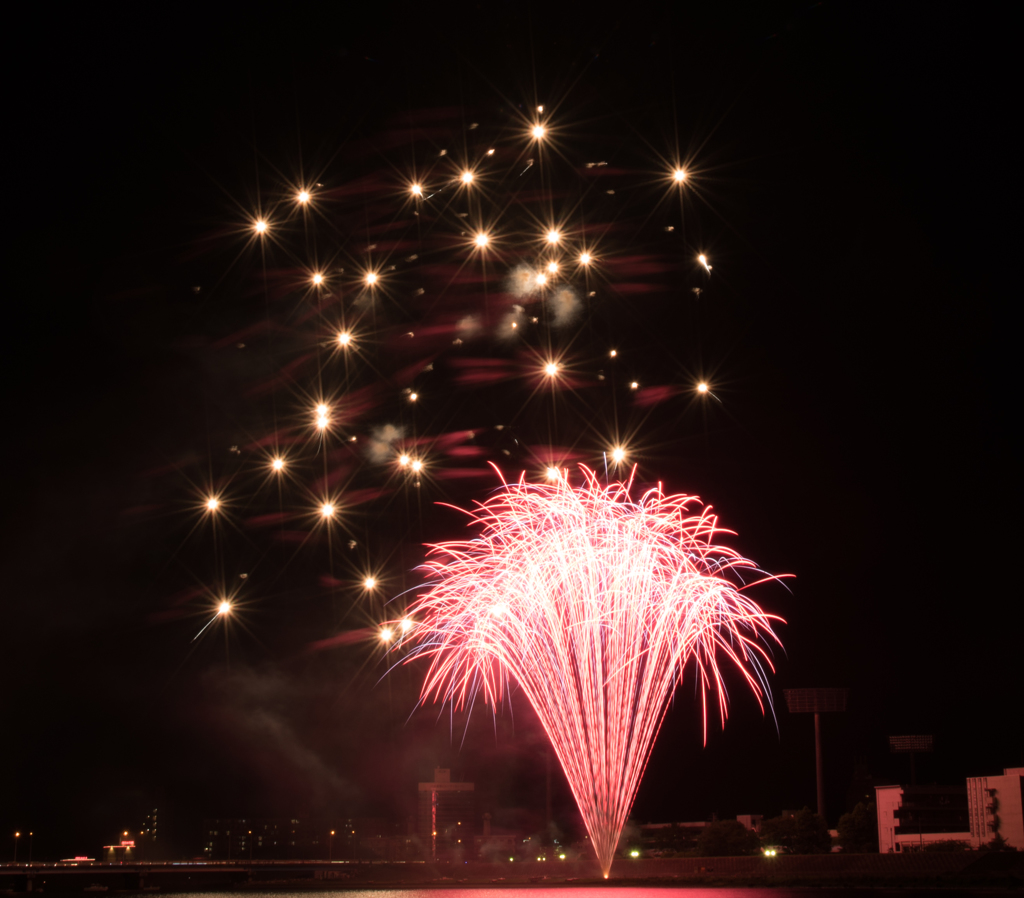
x=817, y=701
x=30, y=848
x=250, y=847
x=16, y=837
x=330, y=848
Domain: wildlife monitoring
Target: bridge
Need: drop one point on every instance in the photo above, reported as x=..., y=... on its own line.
x=956, y=869
x=150, y=876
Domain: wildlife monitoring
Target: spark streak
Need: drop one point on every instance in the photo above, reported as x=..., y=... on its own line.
x=605, y=602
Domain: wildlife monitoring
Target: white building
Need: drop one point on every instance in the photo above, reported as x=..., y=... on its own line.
x=992, y=797
x=910, y=817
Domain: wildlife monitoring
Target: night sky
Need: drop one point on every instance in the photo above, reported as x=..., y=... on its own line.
x=852, y=192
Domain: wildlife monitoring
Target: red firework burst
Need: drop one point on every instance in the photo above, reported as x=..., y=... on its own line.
x=595, y=604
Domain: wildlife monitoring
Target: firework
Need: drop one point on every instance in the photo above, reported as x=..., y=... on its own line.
x=402, y=307
x=423, y=313
x=594, y=604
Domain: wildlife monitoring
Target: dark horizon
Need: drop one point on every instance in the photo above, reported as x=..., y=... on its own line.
x=855, y=161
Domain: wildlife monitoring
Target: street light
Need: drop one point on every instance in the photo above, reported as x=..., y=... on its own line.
x=330, y=849
x=16, y=837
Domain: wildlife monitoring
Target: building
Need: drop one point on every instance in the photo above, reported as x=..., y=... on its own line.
x=123, y=853
x=495, y=844
x=446, y=812
x=910, y=817
x=751, y=821
x=995, y=808
x=268, y=838
x=150, y=828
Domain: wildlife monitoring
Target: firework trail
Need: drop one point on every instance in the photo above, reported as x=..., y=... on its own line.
x=594, y=604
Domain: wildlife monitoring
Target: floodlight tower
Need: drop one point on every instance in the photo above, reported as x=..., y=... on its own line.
x=817, y=701
x=910, y=745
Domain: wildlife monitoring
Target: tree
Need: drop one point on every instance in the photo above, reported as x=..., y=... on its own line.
x=800, y=833
x=998, y=843
x=726, y=838
x=946, y=846
x=858, y=830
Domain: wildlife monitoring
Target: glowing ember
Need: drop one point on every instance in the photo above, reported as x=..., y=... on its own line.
x=605, y=602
